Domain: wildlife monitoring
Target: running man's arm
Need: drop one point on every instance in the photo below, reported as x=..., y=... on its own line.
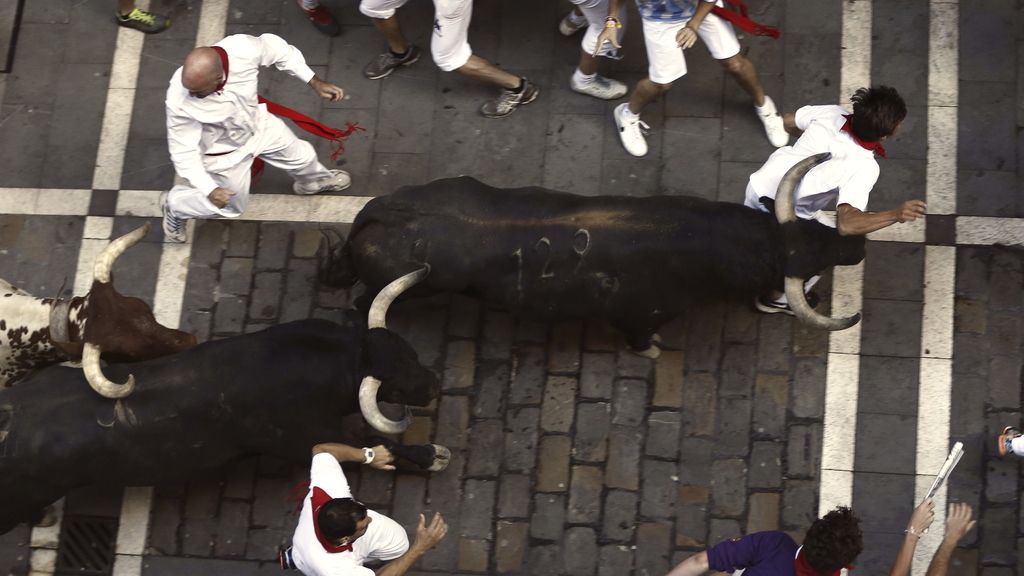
x=426, y=538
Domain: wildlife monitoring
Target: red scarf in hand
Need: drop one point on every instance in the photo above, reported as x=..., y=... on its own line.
x=804, y=569
x=318, y=499
x=875, y=147
x=741, y=21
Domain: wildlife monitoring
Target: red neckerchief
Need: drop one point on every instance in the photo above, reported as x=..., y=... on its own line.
x=741, y=20
x=224, y=63
x=804, y=569
x=318, y=499
x=875, y=147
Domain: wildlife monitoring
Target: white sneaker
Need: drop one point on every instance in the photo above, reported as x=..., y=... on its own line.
x=773, y=125
x=572, y=23
x=175, y=229
x=336, y=182
x=599, y=87
x=631, y=132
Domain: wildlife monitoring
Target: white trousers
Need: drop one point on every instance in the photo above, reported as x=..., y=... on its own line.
x=275, y=143
x=596, y=11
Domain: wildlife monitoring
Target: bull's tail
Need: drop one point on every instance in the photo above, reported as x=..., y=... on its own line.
x=334, y=261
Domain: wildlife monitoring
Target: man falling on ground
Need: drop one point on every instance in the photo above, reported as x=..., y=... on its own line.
x=217, y=127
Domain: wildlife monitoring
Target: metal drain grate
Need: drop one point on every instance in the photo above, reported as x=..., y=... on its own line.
x=86, y=546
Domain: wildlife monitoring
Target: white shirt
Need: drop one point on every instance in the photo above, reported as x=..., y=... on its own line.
x=225, y=121
x=847, y=178
x=384, y=539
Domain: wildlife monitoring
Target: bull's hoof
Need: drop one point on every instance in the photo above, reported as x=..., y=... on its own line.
x=651, y=352
x=442, y=456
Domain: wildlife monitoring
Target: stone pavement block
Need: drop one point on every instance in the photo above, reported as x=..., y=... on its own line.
x=891, y=328
x=198, y=535
x=564, y=348
x=663, y=430
x=458, y=128
x=544, y=560
x=164, y=520
x=614, y=560
x=894, y=271
x=594, y=379
x=720, y=529
x=743, y=137
x=897, y=59
x=972, y=264
x=486, y=440
x=463, y=316
x=557, y=410
x=36, y=66
x=619, y=515
x=590, y=439
x=766, y=465
x=704, y=339
x=375, y=486
x=232, y=529
x=270, y=505
x=240, y=480
x=585, y=495
x=629, y=403
x=492, y=380
x=531, y=331
x=660, y=488
x=409, y=501
x=883, y=501
x=601, y=337
x=986, y=138
x=622, y=173
x=521, y=439
x=668, y=380
x=572, y=137
x=813, y=62
x=972, y=354
x=452, y=421
x=775, y=348
x=527, y=384
x=770, y=398
x=200, y=288
x=695, y=461
x=876, y=450
x=999, y=546
x=22, y=148
x=1005, y=282
x=580, y=551
x=1006, y=334
x=172, y=566
x=473, y=555
x=803, y=451
x=298, y=290
x=243, y=239
x=738, y=367
x=897, y=183
x=1001, y=481
x=553, y=465
x=266, y=296
x=389, y=172
x=514, y=496
x=698, y=175
x=405, y=123
x=446, y=494
x=888, y=385
x=510, y=546
x=513, y=153
x=624, y=449
x=699, y=95
x=274, y=246
x=630, y=365
x=236, y=276
x=911, y=140
x=458, y=365
x=548, y=516
x=986, y=37
x=478, y=499
x=358, y=155
x=763, y=512
x=496, y=341
x=733, y=431
x=229, y=316
x=692, y=517
x=799, y=504
x=79, y=103
x=1004, y=382
x=699, y=401
x=729, y=482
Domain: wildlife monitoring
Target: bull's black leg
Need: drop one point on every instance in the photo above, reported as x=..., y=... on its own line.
x=640, y=339
x=427, y=457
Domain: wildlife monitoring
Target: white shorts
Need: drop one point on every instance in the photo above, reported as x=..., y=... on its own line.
x=667, y=62
x=449, y=45
x=596, y=11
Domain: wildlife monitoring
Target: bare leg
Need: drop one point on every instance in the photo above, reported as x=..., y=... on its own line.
x=392, y=34
x=644, y=93
x=480, y=69
x=743, y=71
x=588, y=63
x=125, y=6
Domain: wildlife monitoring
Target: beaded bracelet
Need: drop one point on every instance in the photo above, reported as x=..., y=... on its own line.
x=612, y=22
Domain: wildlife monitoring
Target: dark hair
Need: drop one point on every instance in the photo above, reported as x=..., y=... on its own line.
x=338, y=517
x=833, y=541
x=877, y=111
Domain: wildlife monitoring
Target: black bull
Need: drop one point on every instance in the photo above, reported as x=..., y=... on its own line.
x=278, y=392
x=635, y=262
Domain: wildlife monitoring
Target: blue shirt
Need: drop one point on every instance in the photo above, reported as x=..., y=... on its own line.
x=760, y=553
x=667, y=10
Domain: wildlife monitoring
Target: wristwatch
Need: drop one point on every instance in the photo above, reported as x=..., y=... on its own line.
x=368, y=455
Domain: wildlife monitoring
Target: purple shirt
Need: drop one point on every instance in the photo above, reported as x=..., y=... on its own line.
x=760, y=553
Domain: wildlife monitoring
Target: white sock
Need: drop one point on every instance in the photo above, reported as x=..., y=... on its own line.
x=627, y=114
x=581, y=78
x=767, y=109
x=309, y=4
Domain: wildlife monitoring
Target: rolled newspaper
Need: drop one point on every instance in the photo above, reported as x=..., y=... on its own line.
x=952, y=460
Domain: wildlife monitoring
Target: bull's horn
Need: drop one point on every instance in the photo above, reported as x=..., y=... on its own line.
x=803, y=311
x=387, y=295
x=99, y=382
x=105, y=261
x=371, y=412
x=785, y=199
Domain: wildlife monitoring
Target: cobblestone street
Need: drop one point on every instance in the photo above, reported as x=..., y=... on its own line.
x=570, y=454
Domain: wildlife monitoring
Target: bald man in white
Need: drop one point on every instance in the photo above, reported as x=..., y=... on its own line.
x=216, y=128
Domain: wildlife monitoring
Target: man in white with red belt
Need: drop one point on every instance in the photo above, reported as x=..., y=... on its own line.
x=217, y=127
x=337, y=534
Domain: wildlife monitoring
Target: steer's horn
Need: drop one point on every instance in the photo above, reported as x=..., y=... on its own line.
x=370, y=385
x=105, y=261
x=785, y=212
x=99, y=382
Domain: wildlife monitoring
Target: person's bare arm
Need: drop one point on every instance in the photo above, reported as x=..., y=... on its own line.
x=426, y=538
x=852, y=221
x=920, y=520
x=693, y=566
x=789, y=123
x=382, y=457
x=958, y=524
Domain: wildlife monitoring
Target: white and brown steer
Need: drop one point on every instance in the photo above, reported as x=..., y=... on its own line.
x=35, y=332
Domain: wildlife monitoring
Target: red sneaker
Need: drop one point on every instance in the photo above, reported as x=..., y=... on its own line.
x=323, y=20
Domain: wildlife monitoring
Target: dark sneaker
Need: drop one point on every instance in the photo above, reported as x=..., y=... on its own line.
x=1009, y=433
x=144, y=21
x=174, y=227
x=384, y=64
x=284, y=558
x=323, y=20
x=769, y=306
x=507, y=102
